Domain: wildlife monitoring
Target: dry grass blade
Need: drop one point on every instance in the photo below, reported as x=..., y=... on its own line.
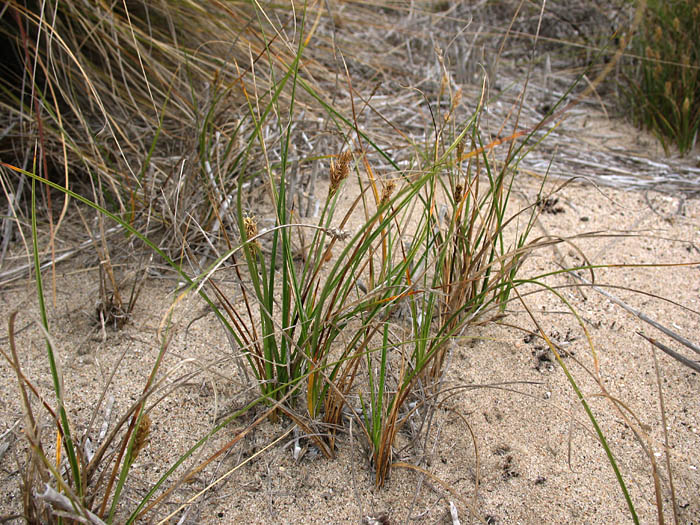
x=30, y=424
x=229, y=473
x=32, y=510
x=662, y=409
x=694, y=365
x=446, y=486
x=641, y=315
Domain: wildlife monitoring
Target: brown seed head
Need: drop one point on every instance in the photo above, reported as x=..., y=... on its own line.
x=339, y=171
x=251, y=230
x=658, y=70
x=460, y=150
x=387, y=189
x=457, y=99
x=658, y=34
x=459, y=191
x=142, y=434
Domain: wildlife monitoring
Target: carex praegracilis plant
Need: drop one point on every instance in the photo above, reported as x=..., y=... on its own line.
x=461, y=268
x=304, y=306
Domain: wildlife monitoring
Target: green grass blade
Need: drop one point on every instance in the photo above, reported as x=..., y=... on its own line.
x=57, y=383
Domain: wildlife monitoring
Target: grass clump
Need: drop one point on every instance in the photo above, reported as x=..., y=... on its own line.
x=461, y=270
x=662, y=87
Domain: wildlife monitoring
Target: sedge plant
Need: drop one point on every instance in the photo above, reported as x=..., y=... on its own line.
x=461, y=268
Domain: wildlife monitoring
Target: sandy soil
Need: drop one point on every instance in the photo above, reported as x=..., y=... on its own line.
x=513, y=426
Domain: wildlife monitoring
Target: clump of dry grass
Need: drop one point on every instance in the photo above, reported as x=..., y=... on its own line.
x=137, y=105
